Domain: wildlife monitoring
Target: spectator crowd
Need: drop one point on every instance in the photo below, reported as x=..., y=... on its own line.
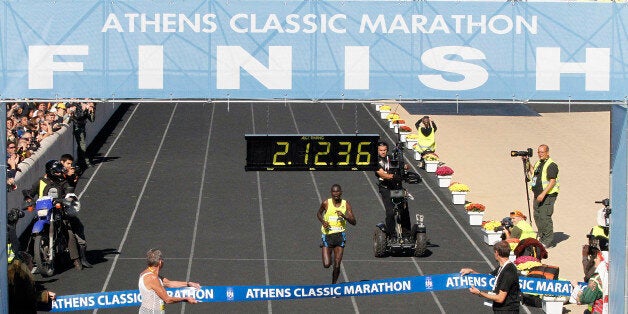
x=29, y=123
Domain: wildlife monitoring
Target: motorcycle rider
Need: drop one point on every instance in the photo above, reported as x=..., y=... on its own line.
x=55, y=178
x=388, y=181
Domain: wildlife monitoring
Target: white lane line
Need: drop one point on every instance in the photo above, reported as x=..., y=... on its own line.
x=320, y=200
x=261, y=216
x=108, y=151
x=466, y=234
x=137, y=203
x=198, y=203
x=397, y=261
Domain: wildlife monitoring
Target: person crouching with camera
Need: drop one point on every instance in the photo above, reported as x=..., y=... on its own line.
x=521, y=228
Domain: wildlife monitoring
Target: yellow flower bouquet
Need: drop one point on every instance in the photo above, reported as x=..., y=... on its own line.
x=392, y=116
x=491, y=225
x=458, y=187
x=385, y=108
x=430, y=156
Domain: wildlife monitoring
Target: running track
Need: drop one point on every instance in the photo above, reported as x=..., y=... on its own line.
x=171, y=175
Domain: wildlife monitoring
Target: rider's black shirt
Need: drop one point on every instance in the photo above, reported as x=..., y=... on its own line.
x=384, y=163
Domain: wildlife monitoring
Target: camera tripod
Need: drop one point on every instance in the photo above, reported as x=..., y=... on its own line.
x=525, y=181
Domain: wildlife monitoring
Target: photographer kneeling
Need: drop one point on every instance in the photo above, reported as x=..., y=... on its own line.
x=520, y=229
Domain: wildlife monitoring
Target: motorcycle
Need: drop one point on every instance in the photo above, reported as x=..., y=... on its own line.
x=416, y=244
x=50, y=233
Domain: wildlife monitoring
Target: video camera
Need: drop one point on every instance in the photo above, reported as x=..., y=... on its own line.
x=398, y=166
x=523, y=153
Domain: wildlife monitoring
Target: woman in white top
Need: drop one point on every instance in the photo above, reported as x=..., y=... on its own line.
x=151, y=286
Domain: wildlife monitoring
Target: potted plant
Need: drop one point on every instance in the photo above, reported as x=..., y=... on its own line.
x=475, y=212
x=488, y=230
x=412, y=140
x=392, y=116
x=384, y=111
x=431, y=161
x=395, y=123
x=444, y=176
x=404, y=131
x=458, y=192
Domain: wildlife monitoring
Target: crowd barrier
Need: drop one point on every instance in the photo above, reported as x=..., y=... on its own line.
x=52, y=147
x=416, y=284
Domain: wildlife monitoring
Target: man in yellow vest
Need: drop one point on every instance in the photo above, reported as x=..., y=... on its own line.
x=333, y=215
x=426, y=142
x=544, y=183
x=521, y=229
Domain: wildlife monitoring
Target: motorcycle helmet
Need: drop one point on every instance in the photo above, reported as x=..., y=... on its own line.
x=55, y=170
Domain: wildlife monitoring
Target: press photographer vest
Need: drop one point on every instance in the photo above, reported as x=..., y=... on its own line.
x=426, y=142
x=336, y=223
x=526, y=230
x=544, y=180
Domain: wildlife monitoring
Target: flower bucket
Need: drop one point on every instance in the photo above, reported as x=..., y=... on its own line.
x=459, y=198
x=396, y=128
x=475, y=218
x=384, y=114
x=430, y=166
x=491, y=237
x=552, y=305
x=443, y=181
x=411, y=143
x=417, y=155
x=402, y=136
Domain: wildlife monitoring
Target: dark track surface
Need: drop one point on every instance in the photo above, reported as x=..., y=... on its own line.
x=173, y=177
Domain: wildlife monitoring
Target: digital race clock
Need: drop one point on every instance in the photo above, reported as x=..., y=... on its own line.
x=308, y=152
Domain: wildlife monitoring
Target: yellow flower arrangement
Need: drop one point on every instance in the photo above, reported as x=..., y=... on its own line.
x=458, y=187
x=491, y=225
x=430, y=156
x=384, y=108
x=392, y=116
x=412, y=136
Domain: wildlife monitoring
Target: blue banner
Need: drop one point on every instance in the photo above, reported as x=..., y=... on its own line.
x=418, y=284
x=313, y=49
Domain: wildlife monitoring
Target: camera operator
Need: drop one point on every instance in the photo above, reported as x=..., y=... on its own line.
x=81, y=113
x=545, y=186
x=55, y=178
x=389, y=180
x=520, y=228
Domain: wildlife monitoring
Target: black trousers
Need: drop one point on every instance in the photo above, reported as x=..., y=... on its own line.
x=390, y=213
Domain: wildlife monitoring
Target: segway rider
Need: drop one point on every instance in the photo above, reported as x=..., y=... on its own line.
x=334, y=213
x=388, y=181
x=55, y=178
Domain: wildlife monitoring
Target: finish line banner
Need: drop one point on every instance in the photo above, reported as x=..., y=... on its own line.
x=294, y=49
x=416, y=284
